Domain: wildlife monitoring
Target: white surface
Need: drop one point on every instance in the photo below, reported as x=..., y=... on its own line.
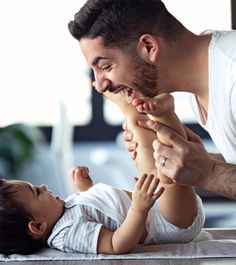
x=209, y=244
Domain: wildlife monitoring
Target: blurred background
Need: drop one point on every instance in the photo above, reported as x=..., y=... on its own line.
x=51, y=119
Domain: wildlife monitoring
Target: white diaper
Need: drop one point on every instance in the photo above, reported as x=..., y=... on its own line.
x=160, y=231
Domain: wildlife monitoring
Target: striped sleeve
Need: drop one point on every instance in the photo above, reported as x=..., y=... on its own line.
x=80, y=236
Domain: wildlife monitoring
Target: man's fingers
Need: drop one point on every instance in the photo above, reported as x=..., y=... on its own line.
x=192, y=137
x=134, y=155
x=161, y=150
x=127, y=136
x=125, y=126
x=131, y=146
x=174, y=138
x=144, y=124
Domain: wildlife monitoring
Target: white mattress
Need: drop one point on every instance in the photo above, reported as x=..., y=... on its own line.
x=211, y=243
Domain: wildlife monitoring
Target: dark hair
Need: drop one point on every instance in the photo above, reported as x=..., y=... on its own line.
x=14, y=219
x=122, y=22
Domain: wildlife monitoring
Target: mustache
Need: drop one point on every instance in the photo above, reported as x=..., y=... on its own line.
x=113, y=88
x=110, y=88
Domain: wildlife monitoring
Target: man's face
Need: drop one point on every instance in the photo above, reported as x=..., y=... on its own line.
x=41, y=204
x=115, y=70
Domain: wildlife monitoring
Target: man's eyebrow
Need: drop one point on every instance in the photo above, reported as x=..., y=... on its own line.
x=97, y=59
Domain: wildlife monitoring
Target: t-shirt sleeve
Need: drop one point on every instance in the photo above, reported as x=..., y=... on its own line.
x=233, y=100
x=81, y=236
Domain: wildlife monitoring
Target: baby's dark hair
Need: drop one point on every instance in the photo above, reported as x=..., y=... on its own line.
x=14, y=219
x=122, y=22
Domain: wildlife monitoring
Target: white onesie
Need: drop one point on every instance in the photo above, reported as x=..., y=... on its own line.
x=103, y=205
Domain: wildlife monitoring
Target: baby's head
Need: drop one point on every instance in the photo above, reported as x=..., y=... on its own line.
x=27, y=216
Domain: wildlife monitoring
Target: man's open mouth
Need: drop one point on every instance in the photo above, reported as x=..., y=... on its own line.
x=130, y=94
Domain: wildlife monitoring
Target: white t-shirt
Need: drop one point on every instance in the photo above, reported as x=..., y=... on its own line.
x=221, y=119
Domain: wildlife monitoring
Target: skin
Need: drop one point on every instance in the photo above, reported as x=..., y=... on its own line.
x=44, y=207
x=178, y=203
x=133, y=230
x=181, y=65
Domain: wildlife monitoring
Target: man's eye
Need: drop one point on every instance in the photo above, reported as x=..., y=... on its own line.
x=106, y=67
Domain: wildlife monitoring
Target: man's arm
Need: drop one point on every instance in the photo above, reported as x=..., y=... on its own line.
x=218, y=157
x=222, y=180
x=189, y=163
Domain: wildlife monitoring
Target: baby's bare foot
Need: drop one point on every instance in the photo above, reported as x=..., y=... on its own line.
x=119, y=98
x=81, y=179
x=158, y=106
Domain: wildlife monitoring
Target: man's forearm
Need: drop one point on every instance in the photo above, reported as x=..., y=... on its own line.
x=217, y=156
x=222, y=180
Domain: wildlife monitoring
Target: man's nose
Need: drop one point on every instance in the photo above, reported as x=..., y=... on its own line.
x=102, y=85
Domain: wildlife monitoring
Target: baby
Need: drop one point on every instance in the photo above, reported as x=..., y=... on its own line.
x=100, y=218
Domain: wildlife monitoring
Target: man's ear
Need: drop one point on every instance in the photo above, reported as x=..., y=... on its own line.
x=148, y=48
x=37, y=229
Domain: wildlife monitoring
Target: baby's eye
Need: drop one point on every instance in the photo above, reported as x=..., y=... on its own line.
x=38, y=191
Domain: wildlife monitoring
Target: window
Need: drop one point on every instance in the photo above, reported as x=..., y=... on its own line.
x=42, y=67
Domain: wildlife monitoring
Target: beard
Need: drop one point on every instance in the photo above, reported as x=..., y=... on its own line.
x=145, y=77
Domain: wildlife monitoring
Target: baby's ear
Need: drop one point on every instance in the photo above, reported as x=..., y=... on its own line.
x=37, y=229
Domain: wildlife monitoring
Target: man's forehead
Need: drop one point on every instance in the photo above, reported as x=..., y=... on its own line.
x=94, y=48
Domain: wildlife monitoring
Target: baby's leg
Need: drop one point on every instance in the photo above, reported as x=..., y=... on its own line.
x=144, y=161
x=179, y=205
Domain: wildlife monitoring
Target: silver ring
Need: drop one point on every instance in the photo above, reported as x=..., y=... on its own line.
x=163, y=162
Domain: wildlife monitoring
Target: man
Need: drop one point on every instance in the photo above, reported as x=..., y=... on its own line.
x=139, y=46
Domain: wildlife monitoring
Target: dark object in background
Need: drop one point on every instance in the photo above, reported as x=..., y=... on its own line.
x=17, y=147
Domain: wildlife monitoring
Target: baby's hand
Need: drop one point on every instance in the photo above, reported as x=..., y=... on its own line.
x=80, y=177
x=145, y=194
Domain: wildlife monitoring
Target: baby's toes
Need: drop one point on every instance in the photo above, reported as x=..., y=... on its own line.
x=153, y=106
x=140, y=108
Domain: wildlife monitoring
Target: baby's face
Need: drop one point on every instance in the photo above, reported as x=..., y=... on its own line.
x=38, y=201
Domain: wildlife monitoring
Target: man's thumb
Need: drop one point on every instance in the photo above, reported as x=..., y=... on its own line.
x=153, y=125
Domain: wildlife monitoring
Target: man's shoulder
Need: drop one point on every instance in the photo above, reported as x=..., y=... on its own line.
x=225, y=41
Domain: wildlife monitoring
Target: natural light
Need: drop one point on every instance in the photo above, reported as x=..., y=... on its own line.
x=42, y=67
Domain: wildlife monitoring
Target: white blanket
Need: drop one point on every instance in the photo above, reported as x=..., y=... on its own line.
x=211, y=243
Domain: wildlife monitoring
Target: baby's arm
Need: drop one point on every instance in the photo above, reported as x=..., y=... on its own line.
x=129, y=234
x=80, y=177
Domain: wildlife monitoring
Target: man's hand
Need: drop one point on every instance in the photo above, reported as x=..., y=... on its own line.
x=145, y=194
x=188, y=162
x=131, y=145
